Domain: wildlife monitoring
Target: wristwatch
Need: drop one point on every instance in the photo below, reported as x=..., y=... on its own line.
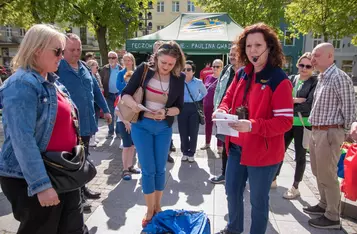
x=166, y=110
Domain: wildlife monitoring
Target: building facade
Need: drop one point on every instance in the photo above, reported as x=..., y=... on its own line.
x=345, y=52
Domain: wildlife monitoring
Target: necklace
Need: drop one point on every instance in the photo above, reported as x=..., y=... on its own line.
x=162, y=89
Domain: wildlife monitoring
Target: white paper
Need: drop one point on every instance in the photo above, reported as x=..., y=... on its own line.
x=222, y=120
x=144, y=108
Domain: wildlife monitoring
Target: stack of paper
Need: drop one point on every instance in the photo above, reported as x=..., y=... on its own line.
x=222, y=120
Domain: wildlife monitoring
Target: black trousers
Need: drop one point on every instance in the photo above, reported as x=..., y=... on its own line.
x=188, y=125
x=65, y=218
x=296, y=133
x=85, y=140
x=224, y=159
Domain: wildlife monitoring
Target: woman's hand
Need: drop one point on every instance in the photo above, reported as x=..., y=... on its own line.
x=299, y=100
x=242, y=125
x=159, y=114
x=127, y=126
x=353, y=131
x=217, y=111
x=48, y=197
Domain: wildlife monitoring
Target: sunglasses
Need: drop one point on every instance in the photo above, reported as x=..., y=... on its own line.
x=216, y=67
x=187, y=69
x=304, y=65
x=112, y=57
x=58, y=52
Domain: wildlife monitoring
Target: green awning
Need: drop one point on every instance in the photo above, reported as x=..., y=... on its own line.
x=197, y=33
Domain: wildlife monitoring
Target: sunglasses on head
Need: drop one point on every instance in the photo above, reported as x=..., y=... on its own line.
x=305, y=65
x=58, y=52
x=216, y=67
x=187, y=69
x=112, y=57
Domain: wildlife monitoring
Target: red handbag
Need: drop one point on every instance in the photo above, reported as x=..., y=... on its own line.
x=349, y=184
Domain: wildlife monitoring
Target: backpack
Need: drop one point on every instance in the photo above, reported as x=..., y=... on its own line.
x=179, y=222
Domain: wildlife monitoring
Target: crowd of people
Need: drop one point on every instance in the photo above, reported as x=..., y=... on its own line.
x=65, y=97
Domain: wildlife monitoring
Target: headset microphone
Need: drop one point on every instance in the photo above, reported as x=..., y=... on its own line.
x=255, y=58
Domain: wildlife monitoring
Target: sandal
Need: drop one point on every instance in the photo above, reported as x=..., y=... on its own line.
x=134, y=170
x=145, y=222
x=126, y=175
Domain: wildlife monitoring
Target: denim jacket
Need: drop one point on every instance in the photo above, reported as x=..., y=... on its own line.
x=29, y=114
x=84, y=90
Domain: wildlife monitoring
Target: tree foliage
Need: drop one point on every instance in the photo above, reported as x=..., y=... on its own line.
x=328, y=18
x=247, y=12
x=111, y=21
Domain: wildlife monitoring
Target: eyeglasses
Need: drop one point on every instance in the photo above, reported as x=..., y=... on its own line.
x=112, y=57
x=187, y=69
x=95, y=66
x=305, y=65
x=216, y=67
x=58, y=52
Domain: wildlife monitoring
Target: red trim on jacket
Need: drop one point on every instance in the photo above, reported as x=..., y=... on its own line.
x=270, y=108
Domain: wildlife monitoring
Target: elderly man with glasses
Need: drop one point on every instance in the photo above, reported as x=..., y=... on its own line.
x=109, y=74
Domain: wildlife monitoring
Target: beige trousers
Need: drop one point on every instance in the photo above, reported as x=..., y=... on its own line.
x=324, y=155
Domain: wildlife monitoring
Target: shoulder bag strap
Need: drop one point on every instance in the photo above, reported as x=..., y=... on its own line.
x=302, y=121
x=143, y=77
x=189, y=92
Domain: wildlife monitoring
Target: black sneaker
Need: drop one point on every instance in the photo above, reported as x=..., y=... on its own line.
x=86, y=206
x=324, y=223
x=170, y=159
x=314, y=210
x=225, y=231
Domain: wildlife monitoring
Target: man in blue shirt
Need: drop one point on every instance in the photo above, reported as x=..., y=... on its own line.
x=109, y=74
x=84, y=91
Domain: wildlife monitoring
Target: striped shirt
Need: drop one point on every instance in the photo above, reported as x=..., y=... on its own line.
x=334, y=99
x=156, y=96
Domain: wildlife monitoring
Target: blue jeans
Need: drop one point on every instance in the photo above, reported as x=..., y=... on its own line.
x=152, y=140
x=110, y=101
x=260, y=179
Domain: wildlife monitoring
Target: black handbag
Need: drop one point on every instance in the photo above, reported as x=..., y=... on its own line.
x=69, y=171
x=199, y=108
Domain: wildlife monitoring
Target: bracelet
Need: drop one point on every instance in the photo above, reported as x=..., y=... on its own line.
x=166, y=110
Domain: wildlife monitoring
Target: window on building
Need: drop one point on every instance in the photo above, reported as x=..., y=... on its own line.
x=160, y=7
x=22, y=32
x=347, y=66
x=83, y=35
x=190, y=6
x=159, y=27
x=288, y=65
x=337, y=44
x=175, y=6
x=8, y=31
x=317, y=40
x=288, y=40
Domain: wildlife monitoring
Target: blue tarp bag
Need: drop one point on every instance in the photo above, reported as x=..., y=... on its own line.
x=179, y=222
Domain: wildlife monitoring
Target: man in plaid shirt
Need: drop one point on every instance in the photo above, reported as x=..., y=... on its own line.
x=333, y=111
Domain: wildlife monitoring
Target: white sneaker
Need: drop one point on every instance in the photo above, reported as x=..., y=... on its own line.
x=92, y=142
x=121, y=146
x=206, y=146
x=291, y=193
x=274, y=185
x=184, y=158
x=191, y=159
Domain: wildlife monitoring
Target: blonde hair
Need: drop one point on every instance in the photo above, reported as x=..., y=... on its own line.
x=91, y=62
x=131, y=56
x=38, y=37
x=172, y=49
x=218, y=61
x=307, y=55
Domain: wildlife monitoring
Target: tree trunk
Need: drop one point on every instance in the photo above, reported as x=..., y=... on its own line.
x=101, y=33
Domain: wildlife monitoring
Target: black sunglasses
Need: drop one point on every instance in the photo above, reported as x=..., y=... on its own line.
x=304, y=65
x=112, y=57
x=216, y=66
x=58, y=52
x=187, y=69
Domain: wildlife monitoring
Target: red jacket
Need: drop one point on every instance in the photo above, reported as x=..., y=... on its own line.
x=270, y=108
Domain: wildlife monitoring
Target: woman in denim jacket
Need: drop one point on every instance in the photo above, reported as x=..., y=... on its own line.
x=37, y=118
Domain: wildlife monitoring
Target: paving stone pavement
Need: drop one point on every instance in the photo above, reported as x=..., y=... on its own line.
x=122, y=206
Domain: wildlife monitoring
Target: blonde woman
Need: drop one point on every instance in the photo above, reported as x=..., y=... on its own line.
x=129, y=67
x=37, y=118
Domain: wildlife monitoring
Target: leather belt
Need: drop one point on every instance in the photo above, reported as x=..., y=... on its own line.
x=326, y=127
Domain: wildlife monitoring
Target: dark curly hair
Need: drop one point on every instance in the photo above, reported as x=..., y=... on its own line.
x=276, y=56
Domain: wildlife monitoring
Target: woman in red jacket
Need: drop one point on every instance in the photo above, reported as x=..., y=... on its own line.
x=261, y=96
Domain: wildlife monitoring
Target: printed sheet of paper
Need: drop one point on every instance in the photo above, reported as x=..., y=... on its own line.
x=144, y=108
x=222, y=120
